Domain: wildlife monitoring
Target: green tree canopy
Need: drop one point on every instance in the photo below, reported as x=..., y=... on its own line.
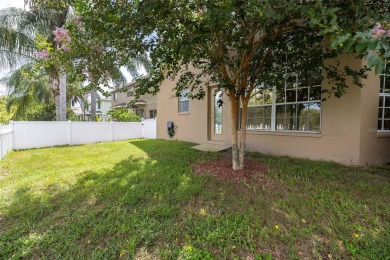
x=124, y=115
x=235, y=44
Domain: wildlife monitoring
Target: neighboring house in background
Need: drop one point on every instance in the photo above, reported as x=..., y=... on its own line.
x=144, y=107
x=103, y=105
x=353, y=129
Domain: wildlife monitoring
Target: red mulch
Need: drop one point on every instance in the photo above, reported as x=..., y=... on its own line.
x=222, y=169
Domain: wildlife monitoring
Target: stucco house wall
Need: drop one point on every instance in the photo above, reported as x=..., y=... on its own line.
x=348, y=126
x=191, y=126
x=375, y=146
x=121, y=99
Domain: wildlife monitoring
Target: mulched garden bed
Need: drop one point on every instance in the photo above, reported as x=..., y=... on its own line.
x=222, y=169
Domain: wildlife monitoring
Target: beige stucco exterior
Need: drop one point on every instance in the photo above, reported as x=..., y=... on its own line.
x=348, y=126
x=121, y=99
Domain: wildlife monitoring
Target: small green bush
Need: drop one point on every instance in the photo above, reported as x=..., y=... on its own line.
x=124, y=115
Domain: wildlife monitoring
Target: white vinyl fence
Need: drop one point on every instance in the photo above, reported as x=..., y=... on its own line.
x=5, y=139
x=26, y=135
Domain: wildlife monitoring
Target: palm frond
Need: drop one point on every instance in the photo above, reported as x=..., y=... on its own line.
x=24, y=91
x=74, y=92
x=15, y=47
x=137, y=63
x=33, y=21
x=21, y=103
x=119, y=80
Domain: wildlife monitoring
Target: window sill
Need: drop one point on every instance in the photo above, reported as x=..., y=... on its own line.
x=184, y=113
x=383, y=134
x=286, y=133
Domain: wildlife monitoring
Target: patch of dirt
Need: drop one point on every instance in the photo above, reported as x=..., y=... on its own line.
x=143, y=254
x=254, y=174
x=222, y=169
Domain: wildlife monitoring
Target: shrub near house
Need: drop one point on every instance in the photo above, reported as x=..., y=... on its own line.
x=124, y=115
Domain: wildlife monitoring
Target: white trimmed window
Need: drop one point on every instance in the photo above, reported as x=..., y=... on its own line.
x=184, y=101
x=153, y=113
x=260, y=109
x=289, y=108
x=384, y=101
x=139, y=112
x=130, y=92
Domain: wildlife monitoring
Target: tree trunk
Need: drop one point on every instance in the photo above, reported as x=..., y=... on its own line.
x=54, y=86
x=242, y=146
x=238, y=141
x=237, y=163
x=93, y=105
x=62, y=97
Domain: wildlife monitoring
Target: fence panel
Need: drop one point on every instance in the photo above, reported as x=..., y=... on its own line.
x=90, y=132
x=5, y=139
x=150, y=128
x=28, y=135
x=124, y=131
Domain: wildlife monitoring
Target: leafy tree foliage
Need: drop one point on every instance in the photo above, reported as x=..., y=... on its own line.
x=368, y=35
x=124, y=115
x=27, y=25
x=234, y=44
x=5, y=116
x=82, y=53
x=40, y=112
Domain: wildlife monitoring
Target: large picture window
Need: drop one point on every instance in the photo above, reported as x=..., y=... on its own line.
x=292, y=107
x=384, y=101
x=260, y=109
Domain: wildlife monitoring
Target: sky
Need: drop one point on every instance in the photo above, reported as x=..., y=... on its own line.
x=6, y=4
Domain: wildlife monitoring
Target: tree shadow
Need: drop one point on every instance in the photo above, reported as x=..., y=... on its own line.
x=152, y=200
x=104, y=212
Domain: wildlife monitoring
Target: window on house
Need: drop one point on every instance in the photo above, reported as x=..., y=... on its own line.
x=384, y=101
x=139, y=112
x=130, y=92
x=153, y=113
x=115, y=96
x=292, y=107
x=99, y=103
x=260, y=109
x=184, y=101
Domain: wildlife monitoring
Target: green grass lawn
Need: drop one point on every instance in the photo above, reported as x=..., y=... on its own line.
x=140, y=199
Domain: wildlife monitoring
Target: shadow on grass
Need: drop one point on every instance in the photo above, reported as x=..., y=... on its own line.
x=105, y=213
x=154, y=201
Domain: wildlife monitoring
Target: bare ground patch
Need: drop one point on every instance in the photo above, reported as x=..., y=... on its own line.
x=222, y=169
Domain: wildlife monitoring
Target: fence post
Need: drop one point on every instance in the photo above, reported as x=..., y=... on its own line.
x=155, y=128
x=11, y=123
x=69, y=132
x=143, y=127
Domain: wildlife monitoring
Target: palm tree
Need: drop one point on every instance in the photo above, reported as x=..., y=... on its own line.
x=15, y=47
x=18, y=30
x=25, y=92
x=43, y=21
